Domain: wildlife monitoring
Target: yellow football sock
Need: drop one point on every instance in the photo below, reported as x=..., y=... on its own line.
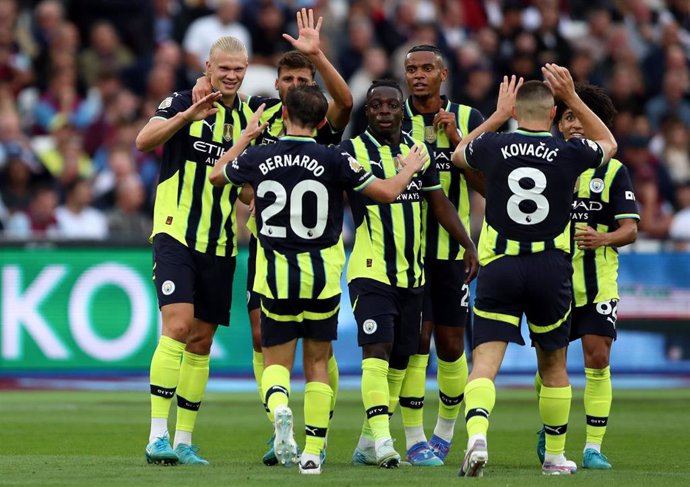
x=480, y=397
x=451, y=377
x=258, y=366
x=538, y=383
x=276, y=384
x=598, y=398
x=412, y=391
x=375, y=396
x=554, y=408
x=317, y=406
x=164, y=375
x=333, y=380
x=193, y=379
x=395, y=381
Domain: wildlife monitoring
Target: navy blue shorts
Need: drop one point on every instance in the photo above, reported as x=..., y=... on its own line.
x=253, y=298
x=537, y=285
x=387, y=314
x=446, y=296
x=283, y=320
x=595, y=319
x=183, y=275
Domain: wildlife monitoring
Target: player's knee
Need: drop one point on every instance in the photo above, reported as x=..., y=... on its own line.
x=377, y=350
x=199, y=343
x=424, y=345
x=177, y=329
x=449, y=351
x=597, y=359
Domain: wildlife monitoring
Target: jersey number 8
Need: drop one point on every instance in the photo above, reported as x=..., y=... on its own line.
x=296, y=208
x=527, y=198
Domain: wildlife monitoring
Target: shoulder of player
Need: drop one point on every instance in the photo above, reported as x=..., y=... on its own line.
x=255, y=102
x=177, y=99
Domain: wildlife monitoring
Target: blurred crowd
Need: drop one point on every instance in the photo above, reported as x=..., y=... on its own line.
x=79, y=78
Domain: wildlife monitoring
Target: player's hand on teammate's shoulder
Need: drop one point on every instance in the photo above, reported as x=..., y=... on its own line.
x=254, y=125
x=471, y=261
x=560, y=81
x=205, y=107
x=414, y=161
x=507, y=92
x=308, y=41
x=201, y=88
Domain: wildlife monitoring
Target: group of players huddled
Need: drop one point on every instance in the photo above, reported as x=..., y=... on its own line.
x=407, y=180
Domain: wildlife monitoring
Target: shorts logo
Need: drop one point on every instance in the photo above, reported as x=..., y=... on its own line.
x=596, y=185
x=168, y=288
x=168, y=221
x=249, y=296
x=369, y=327
x=369, y=262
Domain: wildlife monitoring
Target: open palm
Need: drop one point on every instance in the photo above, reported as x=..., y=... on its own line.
x=308, y=41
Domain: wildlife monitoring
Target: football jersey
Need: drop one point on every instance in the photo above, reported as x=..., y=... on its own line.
x=419, y=126
x=188, y=207
x=530, y=178
x=389, y=237
x=273, y=115
x=298, y=187
x=603, y=196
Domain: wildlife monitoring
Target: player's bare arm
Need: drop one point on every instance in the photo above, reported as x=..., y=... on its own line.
x=387, y=190
x=158, y=131
x=561, y=83
x=253, y=130
x=587, y=238
x=308, y=42
x=504, y=111
x=447, y=216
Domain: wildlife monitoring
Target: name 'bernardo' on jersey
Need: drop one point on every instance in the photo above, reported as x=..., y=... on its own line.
x=287, y=160
x=210, y=152
x=529, y=149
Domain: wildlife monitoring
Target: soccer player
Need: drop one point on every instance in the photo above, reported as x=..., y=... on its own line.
x=295, y=68
x=524, y=250
x=298, y=187
x=605, y=217
x=194, y=243
x=433, y=119
x=386, y=267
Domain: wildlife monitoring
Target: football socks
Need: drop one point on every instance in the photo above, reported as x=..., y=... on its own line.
x=554, y=408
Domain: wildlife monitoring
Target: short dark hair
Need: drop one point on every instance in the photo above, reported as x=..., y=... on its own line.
x=387, y=82
x=295, y=60
x=595, y=98
x=533, y=100
x=306, y=105
x=428, y=48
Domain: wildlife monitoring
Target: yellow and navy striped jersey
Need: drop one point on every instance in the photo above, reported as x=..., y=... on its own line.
x=603, y=197
x=389, y=237
x=419, y=126
x=273, y=114
x=188, y=207
x=530, y=178
x=298, y=187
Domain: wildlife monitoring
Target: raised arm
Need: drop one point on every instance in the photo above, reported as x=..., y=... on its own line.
x=503, y=112
x=251, y=132
x=159, y=130
x=309, y=43
x=387, y=190
x=561, y=83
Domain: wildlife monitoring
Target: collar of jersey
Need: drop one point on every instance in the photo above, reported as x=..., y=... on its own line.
x=235, y=103
x=297, y=138
x=534, y=133
x=376, y=142
x=411, y=111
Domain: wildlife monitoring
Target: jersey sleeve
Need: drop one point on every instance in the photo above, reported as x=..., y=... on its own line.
x=430, y=178
x=622, y=196
x=255, y=102
x=174, y=104
x=240, y=171
x=327, y=135
x=477, y=152
x=588, y=152
x=353, y=175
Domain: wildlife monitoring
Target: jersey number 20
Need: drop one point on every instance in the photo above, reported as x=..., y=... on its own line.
x=296, y=206
x=527, y=198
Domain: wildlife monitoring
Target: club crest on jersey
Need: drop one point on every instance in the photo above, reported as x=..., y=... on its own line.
x=596, y=185
x=165, y=103
x=430, y=134
x=227, y=132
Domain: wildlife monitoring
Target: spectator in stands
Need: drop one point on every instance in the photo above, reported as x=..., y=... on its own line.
x=126, y=220
x=66, y=160
x=120, y=167
x=105, y=53
x=671, y=100
x=360, y=38
x=39, y=220
x=77, y=219
x=674, y=154
x=15, y=188
x=203, y=32
x=267, y=33
x=61, y=103
x=679, y=229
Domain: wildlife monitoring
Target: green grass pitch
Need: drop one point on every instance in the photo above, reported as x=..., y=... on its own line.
x=98, y=438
